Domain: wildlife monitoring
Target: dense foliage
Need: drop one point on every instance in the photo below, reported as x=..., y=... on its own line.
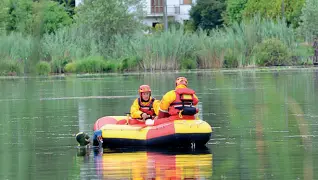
x=234, y=11
x=206, y=14
x=106, y=19
x=36, y=17
x=108, y=36
x=290, y=10
x=309, y=23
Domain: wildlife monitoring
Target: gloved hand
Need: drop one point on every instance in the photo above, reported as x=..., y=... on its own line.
x=144, y=116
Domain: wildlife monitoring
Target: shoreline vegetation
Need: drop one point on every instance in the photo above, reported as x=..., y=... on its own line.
x=78, y=48
x=192, y=71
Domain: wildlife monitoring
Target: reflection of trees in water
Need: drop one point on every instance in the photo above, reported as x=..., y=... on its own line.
x=263, y=118
x=81, y=116
x=315, y=74
x=291, y=122
x=260, y=143
x=305, y=133
x=261, y=114
x=34, y=131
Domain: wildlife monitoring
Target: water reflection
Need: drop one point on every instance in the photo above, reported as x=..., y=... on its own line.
x=264, y=126
x=147, y=164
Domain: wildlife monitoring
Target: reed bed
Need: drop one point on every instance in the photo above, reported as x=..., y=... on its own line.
x=232, y=46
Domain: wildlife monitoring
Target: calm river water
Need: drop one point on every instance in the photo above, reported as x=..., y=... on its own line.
x=265, y=126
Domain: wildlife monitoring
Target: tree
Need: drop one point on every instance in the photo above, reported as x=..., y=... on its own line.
x=293, y=11
x=234, y=10
x=207, y=14
x=110, y=18
x=68, y=4
x=275, y=8
x=19, y=16
x=4, y=10
x=36, y=17
x=309, y=24
x=49, y=16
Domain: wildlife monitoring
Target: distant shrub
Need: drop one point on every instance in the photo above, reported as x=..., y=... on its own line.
x=70, y=67
x=10, y=67
x=188, y=63
x=271, y=52
x=128, y=64
x=58, y=65
x=230, y=60
x=110, y=66
x=43, y=68
x=302, y=54
x=94, y=64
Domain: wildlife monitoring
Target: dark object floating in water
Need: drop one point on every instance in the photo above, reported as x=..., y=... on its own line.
x=82, y=138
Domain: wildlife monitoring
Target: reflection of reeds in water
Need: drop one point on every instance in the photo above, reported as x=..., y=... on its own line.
x=155, y=165
x=270, y=100
x=304, y=132
x=261, y=118
x=260, y=144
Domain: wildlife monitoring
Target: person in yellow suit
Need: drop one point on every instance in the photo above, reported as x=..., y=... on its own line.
x=179, y=103
x=144, y=107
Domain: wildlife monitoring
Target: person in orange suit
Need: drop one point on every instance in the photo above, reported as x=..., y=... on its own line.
x=178, y=103
x=144, y=107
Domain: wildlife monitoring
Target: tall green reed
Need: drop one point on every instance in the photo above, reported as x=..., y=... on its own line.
x=242, y=37
x=156, y=51
x=15, y=46
x=166, y=50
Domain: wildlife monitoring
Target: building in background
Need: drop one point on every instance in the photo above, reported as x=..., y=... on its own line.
x=177, y=10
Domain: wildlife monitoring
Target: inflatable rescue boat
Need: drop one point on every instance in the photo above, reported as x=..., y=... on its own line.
x=176, y=133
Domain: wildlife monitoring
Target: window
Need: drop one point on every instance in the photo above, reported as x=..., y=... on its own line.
x=157, y=6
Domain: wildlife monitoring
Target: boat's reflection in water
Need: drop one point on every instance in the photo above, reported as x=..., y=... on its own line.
x=154, y=164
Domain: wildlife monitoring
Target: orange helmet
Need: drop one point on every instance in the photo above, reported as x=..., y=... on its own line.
x=144, y=88
x=181, y=80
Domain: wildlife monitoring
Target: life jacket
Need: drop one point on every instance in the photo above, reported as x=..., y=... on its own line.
x=148, y=108
x=184, y=102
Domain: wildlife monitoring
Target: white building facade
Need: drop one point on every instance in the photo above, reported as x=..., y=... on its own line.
x=177, y=10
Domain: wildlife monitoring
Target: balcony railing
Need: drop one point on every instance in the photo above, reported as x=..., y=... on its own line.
x=158, y=10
